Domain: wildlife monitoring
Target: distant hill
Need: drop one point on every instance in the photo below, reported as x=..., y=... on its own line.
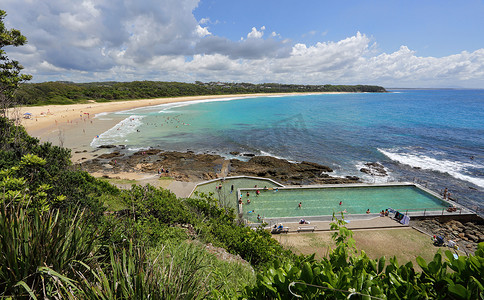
x=61, y=92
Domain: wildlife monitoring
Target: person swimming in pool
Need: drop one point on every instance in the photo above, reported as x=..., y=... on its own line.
x=299, y=205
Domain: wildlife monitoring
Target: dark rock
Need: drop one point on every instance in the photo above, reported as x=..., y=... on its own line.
x=234, y=152
x=110, y=155
x=374, y=169
x=107, y=146
x=355, y=178
x=315, y=166
x=248, y=154
x=473, y=237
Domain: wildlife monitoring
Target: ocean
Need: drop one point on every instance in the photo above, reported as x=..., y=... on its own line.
x=433, y=137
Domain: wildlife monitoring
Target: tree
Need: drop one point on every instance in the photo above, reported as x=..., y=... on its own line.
x=10, y=77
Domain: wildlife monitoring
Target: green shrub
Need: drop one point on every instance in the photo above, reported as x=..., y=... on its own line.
x=36, y=246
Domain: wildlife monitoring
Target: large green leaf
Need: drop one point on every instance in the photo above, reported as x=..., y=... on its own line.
x=459, y=291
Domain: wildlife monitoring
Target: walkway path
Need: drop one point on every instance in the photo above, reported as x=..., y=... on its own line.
x=224, y=171
x=375, y=223
x=182, y=189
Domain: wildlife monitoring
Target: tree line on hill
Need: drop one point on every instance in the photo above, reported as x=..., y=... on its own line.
x=68, y=93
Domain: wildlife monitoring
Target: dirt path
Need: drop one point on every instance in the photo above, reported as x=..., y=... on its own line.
x=224, y=171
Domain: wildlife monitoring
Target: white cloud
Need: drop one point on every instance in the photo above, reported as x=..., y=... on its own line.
x=255, y=34
x=151, y=39
x=202, y=31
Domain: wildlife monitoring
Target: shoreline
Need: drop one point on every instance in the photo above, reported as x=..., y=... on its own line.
x=75, y=125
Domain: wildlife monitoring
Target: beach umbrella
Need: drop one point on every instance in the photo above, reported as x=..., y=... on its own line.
x=27, y=114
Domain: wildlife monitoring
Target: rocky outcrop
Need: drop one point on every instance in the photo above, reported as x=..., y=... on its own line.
x=284, y=171
x=188, y=166
x=466, y=235
x=374, y=169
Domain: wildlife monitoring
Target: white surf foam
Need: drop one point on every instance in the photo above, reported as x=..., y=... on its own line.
x=455, y=169
x=99, y=115
x=263, y=153
x=373, y=179
x=118, y=132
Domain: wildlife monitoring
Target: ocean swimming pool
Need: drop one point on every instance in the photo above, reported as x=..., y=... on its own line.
x=323, y=201
x=225, y=195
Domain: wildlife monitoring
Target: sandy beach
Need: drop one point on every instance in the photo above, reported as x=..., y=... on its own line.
x=75, y=126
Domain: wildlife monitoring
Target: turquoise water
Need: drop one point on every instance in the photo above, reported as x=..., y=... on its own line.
x=435, y=137
x=325, y=201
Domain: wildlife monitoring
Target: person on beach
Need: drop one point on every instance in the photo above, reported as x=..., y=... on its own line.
x=445, y=193
x=232, y=189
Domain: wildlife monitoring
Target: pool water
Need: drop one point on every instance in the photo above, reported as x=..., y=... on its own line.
x=324, y=201
x=225, y=195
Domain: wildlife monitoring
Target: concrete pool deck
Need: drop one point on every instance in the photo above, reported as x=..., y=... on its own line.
x=369, y=223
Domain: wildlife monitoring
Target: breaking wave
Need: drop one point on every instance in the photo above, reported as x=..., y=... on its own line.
x=118, y=133
x=415, y=159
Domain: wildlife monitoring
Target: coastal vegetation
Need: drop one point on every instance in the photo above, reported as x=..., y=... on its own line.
x=69, y=93
x=58, y=240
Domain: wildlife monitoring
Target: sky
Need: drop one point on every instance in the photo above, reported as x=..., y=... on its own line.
x=408, y=44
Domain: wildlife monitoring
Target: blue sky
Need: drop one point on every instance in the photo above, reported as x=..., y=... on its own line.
x=432, y=28
x=389, y=43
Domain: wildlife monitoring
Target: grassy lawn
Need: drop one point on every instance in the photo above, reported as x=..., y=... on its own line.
x=406, y=243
